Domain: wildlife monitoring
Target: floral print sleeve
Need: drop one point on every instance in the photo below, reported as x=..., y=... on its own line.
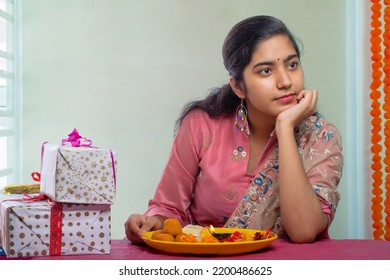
x=320, y=147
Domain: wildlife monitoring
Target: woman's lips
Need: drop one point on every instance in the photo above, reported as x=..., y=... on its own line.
x=286, y=98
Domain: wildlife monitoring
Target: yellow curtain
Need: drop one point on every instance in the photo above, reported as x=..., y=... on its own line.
x=380, y=117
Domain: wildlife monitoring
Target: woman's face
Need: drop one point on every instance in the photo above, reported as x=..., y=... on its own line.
x=272, y=79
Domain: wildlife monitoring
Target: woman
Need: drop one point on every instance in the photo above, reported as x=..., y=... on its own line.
x=254, y=153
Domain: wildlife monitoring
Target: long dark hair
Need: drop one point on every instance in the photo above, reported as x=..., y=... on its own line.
x=237, y=51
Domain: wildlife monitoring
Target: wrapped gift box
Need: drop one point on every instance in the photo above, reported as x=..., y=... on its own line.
x=35, y=227
x=78, y=174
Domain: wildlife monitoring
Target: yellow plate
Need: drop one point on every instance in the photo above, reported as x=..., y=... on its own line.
x=211, y=248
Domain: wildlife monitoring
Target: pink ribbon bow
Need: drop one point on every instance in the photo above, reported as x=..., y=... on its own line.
x=76, y=140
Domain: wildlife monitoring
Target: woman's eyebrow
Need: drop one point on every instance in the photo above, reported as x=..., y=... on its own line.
x=291, y=56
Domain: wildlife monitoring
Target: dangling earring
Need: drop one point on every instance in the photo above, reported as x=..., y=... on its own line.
x=241, y=120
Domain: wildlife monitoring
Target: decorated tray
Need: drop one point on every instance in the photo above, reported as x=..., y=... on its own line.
x=223, y=248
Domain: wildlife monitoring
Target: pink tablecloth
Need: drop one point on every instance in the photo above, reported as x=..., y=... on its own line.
x=280, y=249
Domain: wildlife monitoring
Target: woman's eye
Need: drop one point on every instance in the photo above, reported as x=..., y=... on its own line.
x=293, y=65
x=265, y=71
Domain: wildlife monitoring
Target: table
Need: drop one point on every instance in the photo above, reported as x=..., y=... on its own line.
x=280, y=249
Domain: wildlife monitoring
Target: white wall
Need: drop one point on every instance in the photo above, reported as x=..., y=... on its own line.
x=121, y=70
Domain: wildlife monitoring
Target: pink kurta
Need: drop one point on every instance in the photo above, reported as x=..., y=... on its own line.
x=206, y=182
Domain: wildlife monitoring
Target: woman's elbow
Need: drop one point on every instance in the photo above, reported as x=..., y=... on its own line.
x=302, y=236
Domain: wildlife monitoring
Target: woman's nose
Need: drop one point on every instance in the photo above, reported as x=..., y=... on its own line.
x=284, y=80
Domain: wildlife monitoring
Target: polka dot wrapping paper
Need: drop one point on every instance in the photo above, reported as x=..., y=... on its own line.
x=28, y=228
x=78, y=174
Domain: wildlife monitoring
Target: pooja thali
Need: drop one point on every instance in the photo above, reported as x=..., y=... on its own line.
x=223, y=248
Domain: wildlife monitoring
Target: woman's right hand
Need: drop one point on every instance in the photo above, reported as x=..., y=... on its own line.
x=138, y=224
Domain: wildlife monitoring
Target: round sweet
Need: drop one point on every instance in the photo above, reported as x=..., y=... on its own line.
x=156, y=233
x=165, y=237
x=172, y=226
